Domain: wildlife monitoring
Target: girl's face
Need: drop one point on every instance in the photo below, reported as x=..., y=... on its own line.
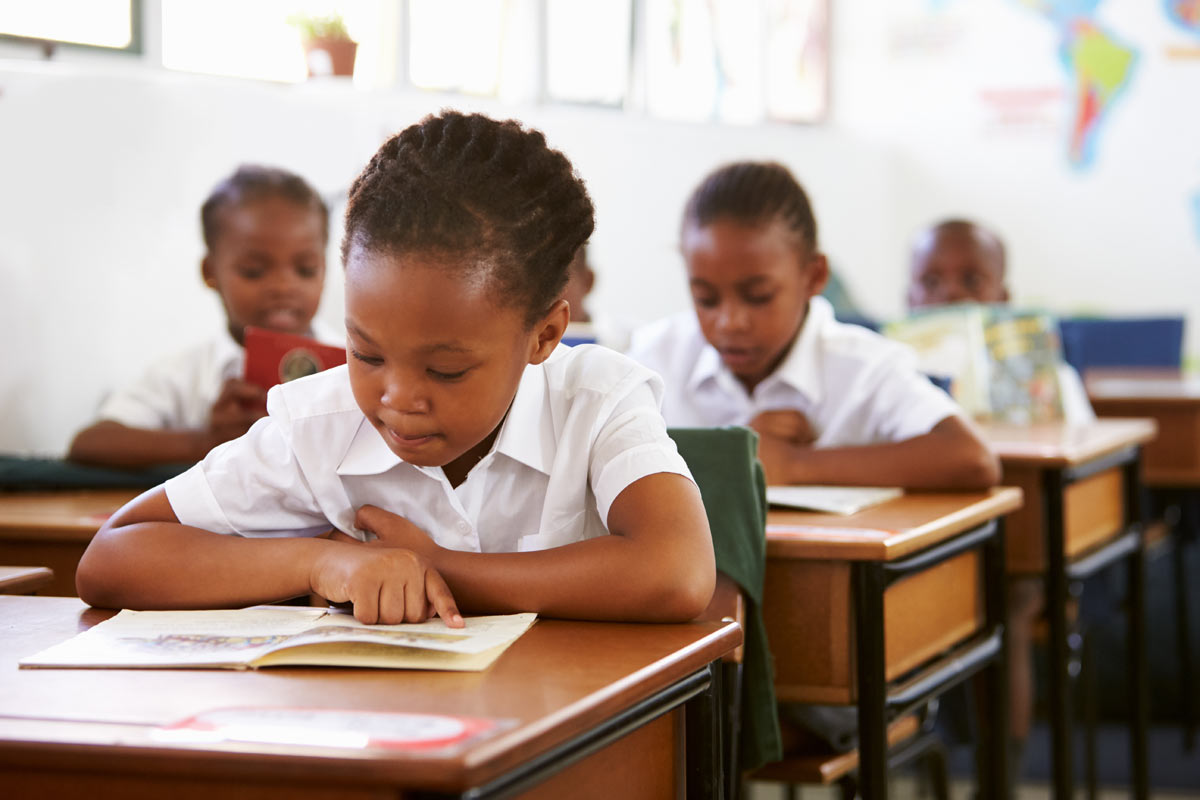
x=434, y=360
x=268, y=265
x=750, y=286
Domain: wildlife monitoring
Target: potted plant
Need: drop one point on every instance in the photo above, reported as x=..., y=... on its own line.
x=328, y=48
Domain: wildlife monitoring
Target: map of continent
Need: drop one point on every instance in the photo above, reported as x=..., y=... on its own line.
x=1098, y=64
x=1185, y=14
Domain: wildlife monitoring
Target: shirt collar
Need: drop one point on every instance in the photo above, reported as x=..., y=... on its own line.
x=526, y=435
x=800, y=369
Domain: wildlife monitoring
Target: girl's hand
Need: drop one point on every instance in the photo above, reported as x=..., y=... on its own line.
x=239, y=406
x=781, y=459
x=385, y=584
x=786, y=424
x=394, y=530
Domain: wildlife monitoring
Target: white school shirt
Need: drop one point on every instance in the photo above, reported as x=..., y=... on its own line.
x=854, y=386
x=177, y=392
x=583, y=425
x=1077, y=409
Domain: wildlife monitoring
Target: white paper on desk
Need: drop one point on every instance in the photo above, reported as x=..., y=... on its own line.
x=832, y=499
x=276, y=635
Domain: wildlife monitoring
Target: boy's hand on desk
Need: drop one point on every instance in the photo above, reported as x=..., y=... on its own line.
x=239, y=406
x=786, y=424
x=385, y=584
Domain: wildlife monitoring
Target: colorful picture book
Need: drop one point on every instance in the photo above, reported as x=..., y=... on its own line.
x=266, y=636
x=273, y=357
x=1002, y=363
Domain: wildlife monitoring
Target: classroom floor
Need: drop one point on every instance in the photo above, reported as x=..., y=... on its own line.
x=905, y=788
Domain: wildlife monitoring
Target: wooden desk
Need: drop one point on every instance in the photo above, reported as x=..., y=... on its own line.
x=24, y=580
x=860, y=609
x=52, y=529
x=597, y=710
x=1082, y=514
x=1173, y=459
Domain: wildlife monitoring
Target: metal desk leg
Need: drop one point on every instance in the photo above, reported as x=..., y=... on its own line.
x=869, y=583
x=993, y=772
x=1138, y=692
x=1059, y=656
x=705, y=749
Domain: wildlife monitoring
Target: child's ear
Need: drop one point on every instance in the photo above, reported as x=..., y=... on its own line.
x=549, y=330
x=816, y=274
x=207, y=272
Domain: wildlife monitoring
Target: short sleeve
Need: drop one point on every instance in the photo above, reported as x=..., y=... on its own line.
x=632, y=443
x=251, y=486
x=152, y=401
x=904, y=402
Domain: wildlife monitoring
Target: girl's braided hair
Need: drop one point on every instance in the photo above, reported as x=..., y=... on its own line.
x=753, y=193
x=489, y=198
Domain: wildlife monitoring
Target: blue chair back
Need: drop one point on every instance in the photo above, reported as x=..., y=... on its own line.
x=1122, y=342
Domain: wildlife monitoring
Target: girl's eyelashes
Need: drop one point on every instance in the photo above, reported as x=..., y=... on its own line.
x=760, y=299
x=372, y=361
x=446, y=376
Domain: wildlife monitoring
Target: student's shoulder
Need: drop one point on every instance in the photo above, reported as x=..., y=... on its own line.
x=592, y=368
x=674, y=340
x=325, y=396
x=856, y=343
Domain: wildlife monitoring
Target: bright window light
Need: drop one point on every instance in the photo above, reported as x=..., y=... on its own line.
x=255, y=39
x=457, y=45
x=102, y=23
x=587, y=50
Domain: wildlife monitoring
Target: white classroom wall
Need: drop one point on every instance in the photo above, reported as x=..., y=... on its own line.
x=103, y=167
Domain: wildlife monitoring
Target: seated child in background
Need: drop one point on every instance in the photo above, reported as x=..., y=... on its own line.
x=465, y=460
x=586, y=327
x=265, y=230
x=832, y=403
x=958, y=261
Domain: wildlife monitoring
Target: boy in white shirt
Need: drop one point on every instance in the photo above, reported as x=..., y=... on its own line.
x=265, y=230
x=465, y=460
x=832, y=403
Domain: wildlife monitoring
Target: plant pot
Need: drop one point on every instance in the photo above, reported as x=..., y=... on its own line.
x=330, y=57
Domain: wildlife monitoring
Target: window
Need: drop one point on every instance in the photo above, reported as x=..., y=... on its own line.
x=111, y=24
x=256, y=40
x=588, y=50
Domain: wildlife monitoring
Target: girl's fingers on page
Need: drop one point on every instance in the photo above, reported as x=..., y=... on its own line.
x=414, y=600
x=366, y=606
x=393, y=603
x=442, y=600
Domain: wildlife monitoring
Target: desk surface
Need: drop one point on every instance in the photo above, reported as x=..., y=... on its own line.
x=1159, y=386
x=559, y=679
x=1057, y=444
x=885, y=532
x=74, y=514
x=23, y=580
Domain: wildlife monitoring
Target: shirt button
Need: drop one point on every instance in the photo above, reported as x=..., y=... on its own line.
x=464, y=526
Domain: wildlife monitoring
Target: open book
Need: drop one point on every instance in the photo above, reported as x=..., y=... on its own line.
x=1002, y=363
x=266, y=636
x=832, y=499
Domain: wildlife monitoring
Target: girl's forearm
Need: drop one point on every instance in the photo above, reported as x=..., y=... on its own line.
x=165, y=565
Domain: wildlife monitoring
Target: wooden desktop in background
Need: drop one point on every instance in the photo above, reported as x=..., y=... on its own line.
x=1093, y=508
x=1171, y=461
x=52, y=529
x=87, y=733
x=807, y=592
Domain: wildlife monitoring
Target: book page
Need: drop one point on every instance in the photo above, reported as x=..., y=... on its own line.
x=180, y=638
x=476, y=635
x=833, y=499
x=281, y=634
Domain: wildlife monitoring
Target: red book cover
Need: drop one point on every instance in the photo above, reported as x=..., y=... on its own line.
x=273, y=357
